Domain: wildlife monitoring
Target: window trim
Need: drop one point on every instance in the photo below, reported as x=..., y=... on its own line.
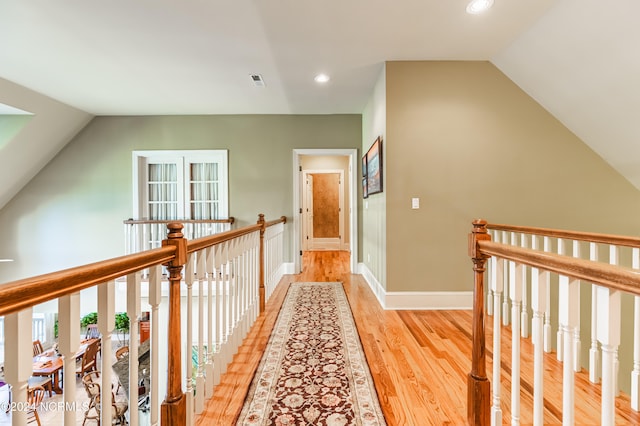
x=139, y=160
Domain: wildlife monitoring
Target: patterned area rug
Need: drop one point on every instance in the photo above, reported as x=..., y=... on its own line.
x=313, y=371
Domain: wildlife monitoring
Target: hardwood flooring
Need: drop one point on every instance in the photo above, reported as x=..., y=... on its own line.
x=419, y=360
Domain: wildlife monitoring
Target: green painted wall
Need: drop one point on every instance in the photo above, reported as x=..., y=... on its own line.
x=71, y=213
x=470, y=143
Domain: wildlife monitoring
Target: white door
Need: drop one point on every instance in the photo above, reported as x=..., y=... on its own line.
x=323, y=210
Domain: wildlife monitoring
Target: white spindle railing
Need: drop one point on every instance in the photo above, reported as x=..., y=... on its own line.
x=274, y=257
x=140, y=235
x=604, y=322
x=222, y=280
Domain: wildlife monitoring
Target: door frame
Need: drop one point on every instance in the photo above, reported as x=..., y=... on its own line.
x=305, y=175
x=353, y=202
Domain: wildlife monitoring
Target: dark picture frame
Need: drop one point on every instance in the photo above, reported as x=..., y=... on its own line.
x=374, y=167
x=365, y=193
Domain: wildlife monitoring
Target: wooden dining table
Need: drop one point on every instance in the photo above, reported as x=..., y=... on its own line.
x=50, y=364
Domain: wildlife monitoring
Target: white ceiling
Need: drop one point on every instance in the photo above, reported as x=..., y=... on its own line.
x=579, y=58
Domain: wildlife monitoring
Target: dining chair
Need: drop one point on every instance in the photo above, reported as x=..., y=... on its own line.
x=35, y=396
x=92, y=387
x=88, y=361
x=37, y=347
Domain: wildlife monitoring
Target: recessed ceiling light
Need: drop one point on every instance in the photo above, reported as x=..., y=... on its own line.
x=321, y=78
x=478, y=6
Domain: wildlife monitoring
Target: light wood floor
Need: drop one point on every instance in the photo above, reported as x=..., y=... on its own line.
x=419, y=360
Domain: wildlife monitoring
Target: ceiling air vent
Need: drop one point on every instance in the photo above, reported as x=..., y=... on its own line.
x=257, y=80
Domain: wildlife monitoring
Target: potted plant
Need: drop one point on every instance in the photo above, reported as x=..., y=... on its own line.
x=122, y=328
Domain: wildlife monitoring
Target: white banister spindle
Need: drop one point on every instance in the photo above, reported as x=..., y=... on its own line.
x=609, y=338
x=577, y=345
x=17, y=366
x=505, y=299
x=106, y=324
x=497, y=284
x=547, y=311
x=155, y=298
x=188, y=352
x=515, y=283
x=568, y=317
x=495, y=238
x=218, y=331
x=133, y=311
x=200, y=384
x=226, y=301
x=635, y=374
x=560, y=333
x=209, y=266
x=524, y=315
x=614, y=259
x=594, y=351
x=68, y=343
x=539, y=290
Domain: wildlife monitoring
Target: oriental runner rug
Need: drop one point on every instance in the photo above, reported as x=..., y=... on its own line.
x=313, y=371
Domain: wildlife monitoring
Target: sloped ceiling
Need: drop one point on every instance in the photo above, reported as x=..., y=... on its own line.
x=576, y=57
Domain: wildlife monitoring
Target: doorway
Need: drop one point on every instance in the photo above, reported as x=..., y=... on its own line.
x=349, y=233
x=323, y=210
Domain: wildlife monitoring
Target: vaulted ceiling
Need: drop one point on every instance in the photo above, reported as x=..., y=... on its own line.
x=578, y=58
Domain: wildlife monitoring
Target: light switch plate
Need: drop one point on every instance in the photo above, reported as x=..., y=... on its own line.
x=415, y=203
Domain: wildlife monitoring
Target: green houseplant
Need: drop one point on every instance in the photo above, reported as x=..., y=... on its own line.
x=122, y=327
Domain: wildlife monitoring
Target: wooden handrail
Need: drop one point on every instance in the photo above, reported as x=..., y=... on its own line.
x=283, y=219
x=230, y=220
x=204, y=242
x=619, y=240
x=602, y=274
x=18, y=295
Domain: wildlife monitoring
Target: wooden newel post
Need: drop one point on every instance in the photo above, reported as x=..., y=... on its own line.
x=261, y=293
x=478, y=390
x=173, y=409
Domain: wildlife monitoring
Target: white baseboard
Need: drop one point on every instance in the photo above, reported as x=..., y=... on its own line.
x=416, y=300
x=288, y=268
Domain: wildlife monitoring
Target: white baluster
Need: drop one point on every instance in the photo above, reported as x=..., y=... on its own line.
x=505, y=299
x=155, y=298
x=17, y=364
x=547, y=312
x=515, y=283
x=106, y=324
x=568, y=317
x=68, y=343
x=609, y=338
x=209, y=266
x=218, y=331
x=614, y=259
x=635, y=374
x=577, y=345
x=524, y=320
x=560, y=333
x=495, y=238
x=226, y=281
x=594, y=351
x=200, y=379
x=133, y=311
x=539, y=290
x=497, y=284
x=188, y=280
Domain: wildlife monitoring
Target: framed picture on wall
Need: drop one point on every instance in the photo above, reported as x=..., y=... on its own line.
x=364, y=166
x=365, y=194
x=374, y=167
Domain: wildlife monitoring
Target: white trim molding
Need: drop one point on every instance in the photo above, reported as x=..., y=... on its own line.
x=416, y=300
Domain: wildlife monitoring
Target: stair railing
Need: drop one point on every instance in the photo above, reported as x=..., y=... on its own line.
x=509, y=251
x=225, y=266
